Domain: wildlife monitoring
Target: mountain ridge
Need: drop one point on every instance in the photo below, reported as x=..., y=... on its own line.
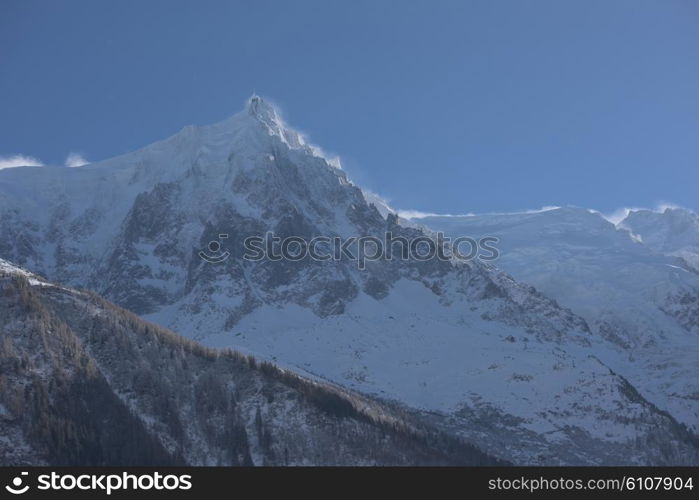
x=461, y=339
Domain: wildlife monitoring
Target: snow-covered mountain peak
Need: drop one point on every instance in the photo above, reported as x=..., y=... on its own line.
x=261, y=109
x=254, y=138
x=674, y=231
x=673, y=219
x=265, y=113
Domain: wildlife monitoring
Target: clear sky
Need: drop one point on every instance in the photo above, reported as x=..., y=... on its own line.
x=440, y=106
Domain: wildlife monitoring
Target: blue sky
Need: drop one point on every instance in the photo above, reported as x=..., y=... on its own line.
x=440, y=106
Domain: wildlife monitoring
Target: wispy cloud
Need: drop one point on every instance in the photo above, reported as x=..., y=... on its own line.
x=383, y=205
x=416, y=214
x=19, y=160
x=75, y=160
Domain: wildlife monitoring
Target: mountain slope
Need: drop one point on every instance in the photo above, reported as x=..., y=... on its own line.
x=458, y=339
x=84, y=382
x=642, y=305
